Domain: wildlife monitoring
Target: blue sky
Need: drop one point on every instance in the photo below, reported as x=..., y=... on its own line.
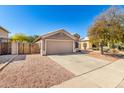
x=42, y=19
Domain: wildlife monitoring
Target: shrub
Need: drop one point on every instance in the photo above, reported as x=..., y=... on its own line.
x=106, y=49
x=114, y=51
x=95, y=48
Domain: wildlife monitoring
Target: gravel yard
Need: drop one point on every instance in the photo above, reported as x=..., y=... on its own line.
x=33, y=71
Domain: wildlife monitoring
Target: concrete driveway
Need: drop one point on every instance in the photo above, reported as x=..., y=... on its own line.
x=91, y=72
x=110, y=76
x=79, y=63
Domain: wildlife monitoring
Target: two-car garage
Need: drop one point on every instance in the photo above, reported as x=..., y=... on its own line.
x=59, y=46
x=58, y=42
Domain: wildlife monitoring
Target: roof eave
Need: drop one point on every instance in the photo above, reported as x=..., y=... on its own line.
x=4, y=29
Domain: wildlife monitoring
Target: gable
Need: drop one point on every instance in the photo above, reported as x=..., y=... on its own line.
x=60, y=36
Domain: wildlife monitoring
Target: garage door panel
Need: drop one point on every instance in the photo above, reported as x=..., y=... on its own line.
x=59, y=47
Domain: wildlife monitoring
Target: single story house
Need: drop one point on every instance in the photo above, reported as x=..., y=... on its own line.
x=3, y=34
x=58, y=42
x=84, y=44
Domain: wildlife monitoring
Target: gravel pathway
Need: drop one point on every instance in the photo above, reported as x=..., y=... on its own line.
x=33, y=71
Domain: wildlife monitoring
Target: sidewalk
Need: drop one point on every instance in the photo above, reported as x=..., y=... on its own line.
x=109, y=76
x=7, y=61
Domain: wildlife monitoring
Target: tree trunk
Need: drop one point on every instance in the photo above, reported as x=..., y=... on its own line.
x=101, y=48
x=113, y=46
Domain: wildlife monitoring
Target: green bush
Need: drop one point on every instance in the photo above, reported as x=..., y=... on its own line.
x=106, y=49
x=95, y=48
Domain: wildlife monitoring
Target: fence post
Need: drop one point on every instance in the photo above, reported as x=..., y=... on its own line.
x=0, y=48
x=14, y=48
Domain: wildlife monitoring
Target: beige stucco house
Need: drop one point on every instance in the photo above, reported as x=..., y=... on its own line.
x=3, y=35
x=57, y=42
x=84, y=44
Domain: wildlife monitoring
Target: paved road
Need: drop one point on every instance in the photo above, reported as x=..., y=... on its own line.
x=79, y=63
x=110, y=76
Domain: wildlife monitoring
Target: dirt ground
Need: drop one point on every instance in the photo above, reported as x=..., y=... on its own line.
x=33, y=71
x=107, y=56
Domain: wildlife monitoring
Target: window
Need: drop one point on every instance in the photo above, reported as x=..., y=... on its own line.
x=76, y=44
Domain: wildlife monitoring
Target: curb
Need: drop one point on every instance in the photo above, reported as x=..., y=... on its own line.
x=5, y=64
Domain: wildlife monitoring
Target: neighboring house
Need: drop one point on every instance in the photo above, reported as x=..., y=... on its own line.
x=84, y=44
x=57, y=42
x=3, y=35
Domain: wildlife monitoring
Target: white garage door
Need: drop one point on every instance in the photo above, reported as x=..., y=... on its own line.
x=59, y=47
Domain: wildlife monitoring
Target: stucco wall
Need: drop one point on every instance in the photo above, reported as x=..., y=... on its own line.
x=14, y=48
x=59, y=36
x=81, y=45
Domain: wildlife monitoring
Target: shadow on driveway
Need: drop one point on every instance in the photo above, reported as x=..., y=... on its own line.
x=5, y=58
x=20, y=57
x=9, y=59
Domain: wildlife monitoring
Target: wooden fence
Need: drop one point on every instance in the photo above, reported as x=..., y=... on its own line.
x=5, y=48
x=26, y=48
x=23, y=48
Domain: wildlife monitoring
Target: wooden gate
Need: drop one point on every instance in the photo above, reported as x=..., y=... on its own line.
x=5, y=48
x=27, y=48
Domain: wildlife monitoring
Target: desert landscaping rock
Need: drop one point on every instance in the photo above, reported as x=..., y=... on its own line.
x=33, y=71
